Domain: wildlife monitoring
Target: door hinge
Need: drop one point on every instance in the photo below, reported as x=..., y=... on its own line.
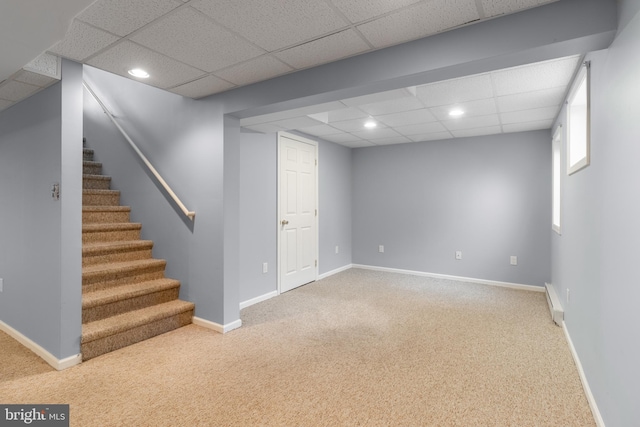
x=316, y=162
x=316, y=263
x=316, y=212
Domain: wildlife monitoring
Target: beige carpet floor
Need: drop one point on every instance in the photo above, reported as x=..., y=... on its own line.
x=360, y=348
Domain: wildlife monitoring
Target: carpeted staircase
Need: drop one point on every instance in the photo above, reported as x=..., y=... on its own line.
x=125, y=296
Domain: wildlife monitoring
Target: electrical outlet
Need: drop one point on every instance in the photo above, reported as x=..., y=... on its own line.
x=337, y=249
x=514, y=260
x=265, y=267
x=381, y=248
x=458, y=254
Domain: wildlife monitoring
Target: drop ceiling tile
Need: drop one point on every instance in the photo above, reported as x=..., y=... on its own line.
x=4, y=104
x=122, y=17
x=536, y=114
x=274, y=24
x=529, y=100
x=288, y=114
x=261, y=68
x=524, y=127
x=323, y=50
x=377, y=97
x=490, y=130
x=35, y=79
x=434, y=136
x=341, y=138
x=358, y=144
x=418, y=21
x=481, y=107
x=358, y=10
x=165, y=72
x=297, y=122
x=421, y=128
x=194, y=39
x=537, y=76
x=46, y=64
x=265, y=128
x=500, y=7
x=392, y=106
x=407, y=118
x=456, y=90
x=346, y=114
x=82, y=41
x=472, y=122
x=12, y=90
x=376, y=133
x=392, y=140
x=355, y=125
x=320, y=130
x=202, y=87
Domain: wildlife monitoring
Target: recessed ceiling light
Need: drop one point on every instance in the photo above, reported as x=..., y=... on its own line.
x=456, y=112
x=370, y=124
x=139, y=72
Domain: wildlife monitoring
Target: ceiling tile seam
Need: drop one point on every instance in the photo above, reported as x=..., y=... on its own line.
x=269, y=54
x=352, y=25
x=495, y=100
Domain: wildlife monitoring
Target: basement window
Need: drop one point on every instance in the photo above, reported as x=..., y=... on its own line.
x=578, y=122
x=557, y=159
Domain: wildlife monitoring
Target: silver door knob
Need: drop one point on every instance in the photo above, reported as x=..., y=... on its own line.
x=284, y=222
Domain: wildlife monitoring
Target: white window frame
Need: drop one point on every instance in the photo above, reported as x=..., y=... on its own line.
x=579, y=121
x=556, y=171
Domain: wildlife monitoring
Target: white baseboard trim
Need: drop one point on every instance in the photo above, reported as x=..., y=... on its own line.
x=336, y=271
x=58, y=364
x=249, y=302
x=583, y=379
x=457, y=278
x=223, y=329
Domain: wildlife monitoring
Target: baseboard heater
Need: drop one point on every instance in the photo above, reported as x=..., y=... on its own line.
x=557, y=313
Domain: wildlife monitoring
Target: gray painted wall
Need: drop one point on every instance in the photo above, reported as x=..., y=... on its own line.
x=488, y=197
x=40, y=255
x=596, y=255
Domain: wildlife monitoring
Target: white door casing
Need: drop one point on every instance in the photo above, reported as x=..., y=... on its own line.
x=297, y=211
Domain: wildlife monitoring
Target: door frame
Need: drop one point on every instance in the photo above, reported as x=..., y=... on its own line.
x=317, y=221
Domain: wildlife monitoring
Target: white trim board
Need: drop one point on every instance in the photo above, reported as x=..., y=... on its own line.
x=58, y=364
x=223, y=329
x=457, y=278
x=583, y=379
x=336, y=271
x=249, y=302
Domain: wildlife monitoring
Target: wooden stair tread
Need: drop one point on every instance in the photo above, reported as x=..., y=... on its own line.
x=106, y=247
x=111, y=295
x=123, y=322
x=100, y=177
x=111, y=226
x=91, y=192
x=105, y=208
x=118, y=268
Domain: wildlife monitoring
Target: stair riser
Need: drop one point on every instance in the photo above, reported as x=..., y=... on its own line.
x=103, y=311
x=104, y=282
x=96, y=184
x=110, y=236
x=87, y=155
x=111, y=199
x=116, y=256
x=92, y=169
x=117, y=341
x=104, y=217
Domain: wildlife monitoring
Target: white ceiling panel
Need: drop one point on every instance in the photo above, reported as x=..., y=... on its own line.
x=397, y=105
x=529, y=100
x=47, y=64
x=194, y=39
x=481, y=107
x=346, y=114
x=82, y=41
x=434, y=136
x=323, y=50
x=261, y=68
x=122, y=17
x=202, y=87
x=341, y=138
x=35, y=79
x=265, y=128
x=457, y=90
x=472, y=122
x=420, y=128
x=274, y=24
x=12, y=90
x=538, y=76
x=524, y=127
x=165, y=72
x=377, y=97
x=288, y=114
x=361, y=10
x=321, y=130
x=4, y=104
x=297, y=122
x=546, y=113
x=499, y=7
x=418, y=21
x=376, y=133
x=390, y=141
x=355, y=125
x=463, y=133
x=358, y=144
x=407, y=118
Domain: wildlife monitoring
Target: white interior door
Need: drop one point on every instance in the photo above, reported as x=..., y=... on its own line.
x=297, y=235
